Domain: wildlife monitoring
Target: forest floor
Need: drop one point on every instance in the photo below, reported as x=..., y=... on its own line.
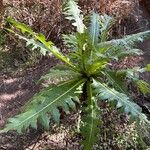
x=16, y=89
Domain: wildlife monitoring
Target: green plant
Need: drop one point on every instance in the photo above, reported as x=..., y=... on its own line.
x=86, y=75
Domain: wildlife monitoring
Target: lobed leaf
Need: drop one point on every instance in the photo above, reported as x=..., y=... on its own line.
x=41, y=38
x=90, y=127
x=70, y=41
x=24, y=28
x=116, y=79
x=106, y=23
x=126, y=41
x=103, y=92
x=73, y=13
x=148, y=67
x=117, y=53
x=60, y=74
x=91, y=122
x=46, y=103
x=143, y=86
x=33, y=44
x=95, y=28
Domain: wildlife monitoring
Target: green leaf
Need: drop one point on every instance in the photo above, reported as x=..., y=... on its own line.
x=130, y=52
x=96, y=66
x=33, y=44
x=90, y=128
x=55, y=115
x=24, y=28
x=72, y=13
x=120, y=48
x=44, y=120
x=127, y=41
x=133, y=73
x=54, y=74
x=70, y=41
x=116, y=53
x=103, y=92
x=143, y=86
x=44, y=103
x=91, y=122
x=148, y=67
x=95, y=28
x=122, y=53
x=54, y=50
x=106, y=23
x=41, y=38
x=117, y=80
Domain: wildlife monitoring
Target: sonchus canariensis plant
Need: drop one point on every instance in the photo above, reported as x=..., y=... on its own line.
x=86, y=76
